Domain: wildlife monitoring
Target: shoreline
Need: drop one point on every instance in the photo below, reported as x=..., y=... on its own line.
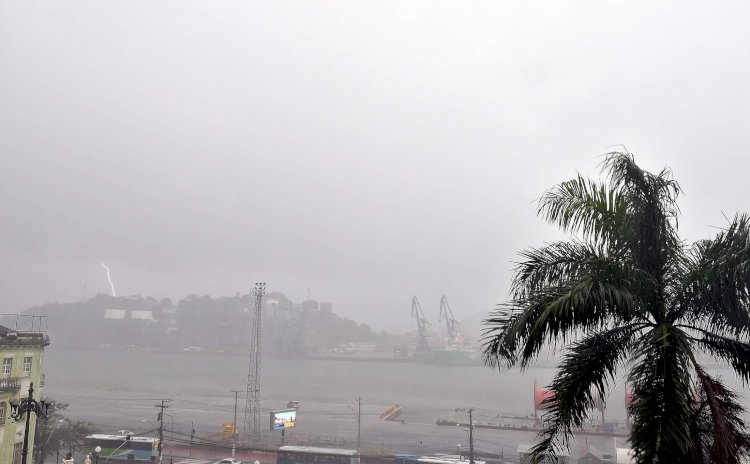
x=525, y=428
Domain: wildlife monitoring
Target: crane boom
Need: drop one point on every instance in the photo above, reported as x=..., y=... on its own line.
x=418, y=315
x=451, y=323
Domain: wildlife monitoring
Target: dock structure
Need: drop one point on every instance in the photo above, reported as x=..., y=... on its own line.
x=531, y=428
x=391, y=413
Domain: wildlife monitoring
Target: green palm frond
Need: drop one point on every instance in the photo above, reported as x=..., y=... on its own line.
x=517, y=334
x=662, y=400
x=583, y=375
x=651, y=237
x=735, y=352
x=565, y=261
x=730, y=443
x=577, y=305
x=500, y=336
x=559, y=289
x=550, y=265
x=579, y=205
x=642, y=187
x=626, y=271
x=717, y=288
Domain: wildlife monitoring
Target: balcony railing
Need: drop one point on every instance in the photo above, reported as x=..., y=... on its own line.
x=24, y=323
x=10, y=385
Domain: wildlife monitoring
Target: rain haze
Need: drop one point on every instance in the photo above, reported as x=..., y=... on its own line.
x=353, y=153
x=367, y=151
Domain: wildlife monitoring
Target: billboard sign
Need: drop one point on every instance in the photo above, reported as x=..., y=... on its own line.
x=283, y=419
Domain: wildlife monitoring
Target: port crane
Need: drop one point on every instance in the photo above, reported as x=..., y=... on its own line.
x=453, y=326
x=418, y=315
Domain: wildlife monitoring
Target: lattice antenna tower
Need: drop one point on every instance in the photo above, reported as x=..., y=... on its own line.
x=251, y=428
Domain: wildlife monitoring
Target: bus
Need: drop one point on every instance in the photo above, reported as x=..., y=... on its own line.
x=123, y=448
x=437, y=459
x=315, y=455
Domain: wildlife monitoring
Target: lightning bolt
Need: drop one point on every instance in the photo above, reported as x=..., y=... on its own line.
x=109, y=278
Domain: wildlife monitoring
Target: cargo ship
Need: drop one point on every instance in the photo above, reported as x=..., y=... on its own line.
x=456, y=355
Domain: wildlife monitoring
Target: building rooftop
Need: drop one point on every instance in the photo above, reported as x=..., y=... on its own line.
x=24, y=330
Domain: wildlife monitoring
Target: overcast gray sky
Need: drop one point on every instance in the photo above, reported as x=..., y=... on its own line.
x=369, y=151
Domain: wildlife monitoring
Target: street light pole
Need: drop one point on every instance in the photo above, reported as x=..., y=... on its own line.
x=160, y=418
x=471, y=432
x=359, y=423
x=192, y=434
x=49, y=435
x=471, y=437
x=234, y=424
x=358, y=415
x=27, y=406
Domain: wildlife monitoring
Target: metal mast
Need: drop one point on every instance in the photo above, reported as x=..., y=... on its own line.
x=418, y=315
x=160, y=418
x=470, y=411
x=251, y=429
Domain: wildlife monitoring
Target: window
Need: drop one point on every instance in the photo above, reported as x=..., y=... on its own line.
x=17, y=453
x=27, y=366
x=2, y=412
x=7, y=365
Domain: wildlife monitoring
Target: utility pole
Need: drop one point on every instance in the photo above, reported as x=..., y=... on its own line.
x=358, y=415
x=160, y=418
x=192, y=434
x=471, y=432
x=471, y=437
x=234, y=424
x=359, y=423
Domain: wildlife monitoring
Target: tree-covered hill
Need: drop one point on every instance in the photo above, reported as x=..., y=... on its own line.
x=197, y=323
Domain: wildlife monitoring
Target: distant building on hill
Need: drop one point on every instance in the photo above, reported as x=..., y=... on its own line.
x=21, y=349
x=147, y=315
x=309, y=306
x=326, y=309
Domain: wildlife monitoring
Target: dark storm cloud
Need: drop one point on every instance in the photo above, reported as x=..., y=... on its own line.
x=368, y=151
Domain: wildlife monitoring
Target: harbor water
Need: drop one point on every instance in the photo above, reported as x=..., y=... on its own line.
x=118, y=390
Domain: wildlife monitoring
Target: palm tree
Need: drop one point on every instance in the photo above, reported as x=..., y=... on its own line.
x=625, y=293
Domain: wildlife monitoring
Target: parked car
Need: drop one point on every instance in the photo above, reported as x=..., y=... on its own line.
x=229, y=461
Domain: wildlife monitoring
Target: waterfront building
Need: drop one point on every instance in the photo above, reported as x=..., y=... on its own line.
x=21, y=358
x=524, y=455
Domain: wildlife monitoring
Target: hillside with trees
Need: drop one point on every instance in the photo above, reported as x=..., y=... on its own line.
x=203, y=323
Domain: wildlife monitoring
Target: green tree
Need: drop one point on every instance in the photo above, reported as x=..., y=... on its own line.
x=625, y=293
x=56, y=434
